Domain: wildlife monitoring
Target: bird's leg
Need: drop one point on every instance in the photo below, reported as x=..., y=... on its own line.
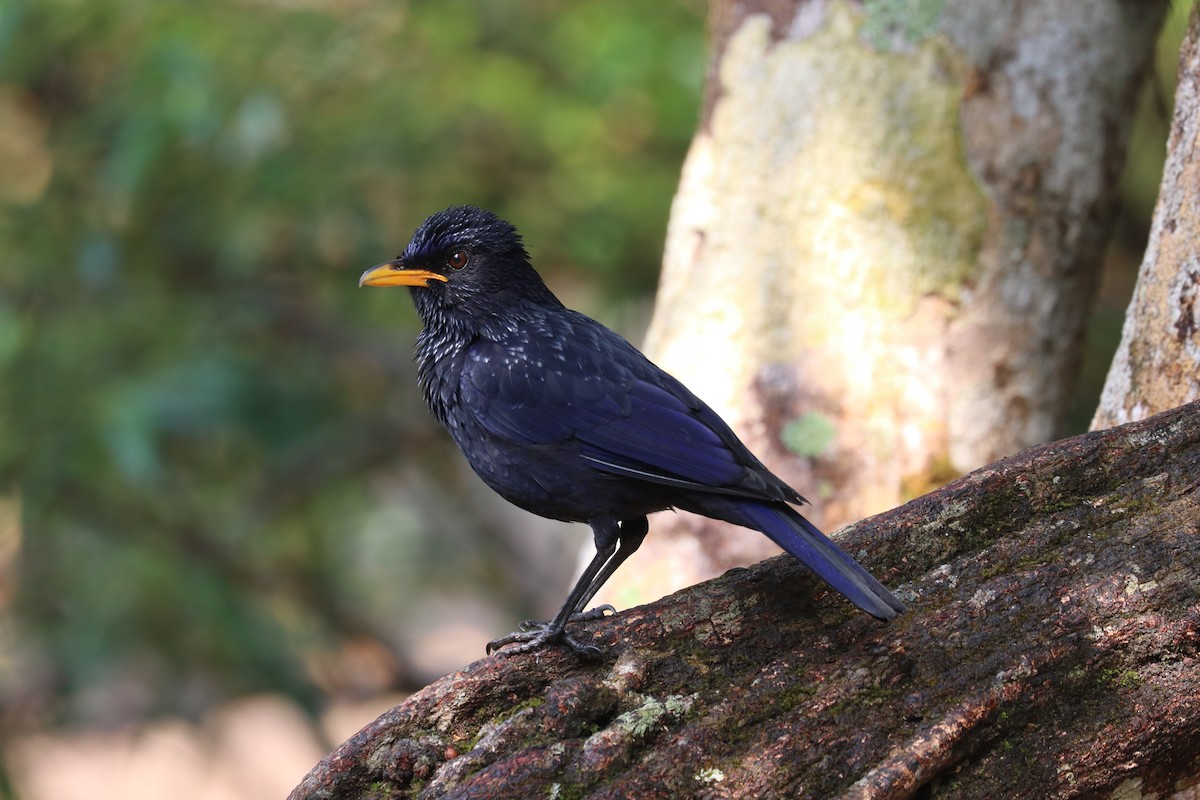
x=606, y=532
x=633, y=532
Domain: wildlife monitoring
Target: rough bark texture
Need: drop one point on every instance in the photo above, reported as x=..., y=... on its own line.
x=886, y=240
x=1158, y=363
x=1051, y=650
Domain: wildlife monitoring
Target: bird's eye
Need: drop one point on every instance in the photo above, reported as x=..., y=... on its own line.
x=457, y=259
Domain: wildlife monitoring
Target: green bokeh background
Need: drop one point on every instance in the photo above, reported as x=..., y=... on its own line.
x=199, y=412
x=198, y=402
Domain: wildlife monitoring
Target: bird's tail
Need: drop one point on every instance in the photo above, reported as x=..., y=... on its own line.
x=787, y=528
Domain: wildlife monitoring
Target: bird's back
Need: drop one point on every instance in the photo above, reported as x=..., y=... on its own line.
x=565, y=417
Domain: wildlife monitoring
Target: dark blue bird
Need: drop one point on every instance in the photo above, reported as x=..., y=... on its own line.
x=566, y=419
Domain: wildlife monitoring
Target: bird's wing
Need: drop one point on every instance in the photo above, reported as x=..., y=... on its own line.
x=628, y=417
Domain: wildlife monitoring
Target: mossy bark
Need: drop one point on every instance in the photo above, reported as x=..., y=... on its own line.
x=1051, y=650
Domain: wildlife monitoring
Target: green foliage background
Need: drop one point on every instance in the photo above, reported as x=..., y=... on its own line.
x=195, y=395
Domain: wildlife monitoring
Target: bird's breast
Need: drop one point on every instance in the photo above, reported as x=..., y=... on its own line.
x=440, y=361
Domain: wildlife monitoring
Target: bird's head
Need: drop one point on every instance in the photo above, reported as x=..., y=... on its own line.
x=462, y=259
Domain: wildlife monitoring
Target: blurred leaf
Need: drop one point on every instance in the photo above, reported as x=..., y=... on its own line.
x=810, y=434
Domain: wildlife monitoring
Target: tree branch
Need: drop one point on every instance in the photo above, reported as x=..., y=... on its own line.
x=1050, y=650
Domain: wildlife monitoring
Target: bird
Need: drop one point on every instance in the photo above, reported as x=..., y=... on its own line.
x=563, y=417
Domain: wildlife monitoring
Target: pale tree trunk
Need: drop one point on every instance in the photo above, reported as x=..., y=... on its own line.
x=1157, y=365
x=885, y=244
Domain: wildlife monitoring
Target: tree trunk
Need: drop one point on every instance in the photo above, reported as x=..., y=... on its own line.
x=1052, y=650
x=1157, y=365
x=886, y=241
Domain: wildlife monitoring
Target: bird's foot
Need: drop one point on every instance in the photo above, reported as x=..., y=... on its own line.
x=530, y=640
x=534, y=635
x=599, y=612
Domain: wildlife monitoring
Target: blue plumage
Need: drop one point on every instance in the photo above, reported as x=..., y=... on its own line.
x=565, y=418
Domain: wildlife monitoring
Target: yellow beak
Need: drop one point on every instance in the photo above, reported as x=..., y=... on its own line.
x=393, y=273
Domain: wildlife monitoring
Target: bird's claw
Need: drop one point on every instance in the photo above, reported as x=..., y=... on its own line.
x=599, y=612
x=534, y=635
x=528, y=641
